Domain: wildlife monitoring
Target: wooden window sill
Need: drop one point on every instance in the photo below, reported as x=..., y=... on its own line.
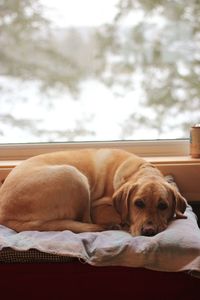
x=186, y=171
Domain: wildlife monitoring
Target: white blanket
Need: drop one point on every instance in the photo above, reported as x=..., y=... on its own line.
x=175, y=249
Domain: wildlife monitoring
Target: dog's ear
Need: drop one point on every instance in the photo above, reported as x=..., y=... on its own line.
x=120, y=199
x=179, y=203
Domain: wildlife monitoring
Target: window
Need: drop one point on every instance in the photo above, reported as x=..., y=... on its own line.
x=98, y=70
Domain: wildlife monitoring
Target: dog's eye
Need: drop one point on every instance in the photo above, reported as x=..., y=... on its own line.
x=162, y=206
x=139, y=203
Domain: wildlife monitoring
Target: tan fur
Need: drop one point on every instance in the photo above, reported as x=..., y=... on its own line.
x=87, y=190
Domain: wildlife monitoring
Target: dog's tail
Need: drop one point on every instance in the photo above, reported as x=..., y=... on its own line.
x=55, y=225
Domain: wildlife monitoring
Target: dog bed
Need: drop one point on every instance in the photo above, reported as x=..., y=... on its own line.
x=173, y=250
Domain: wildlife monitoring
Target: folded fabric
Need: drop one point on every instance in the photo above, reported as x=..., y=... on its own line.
x=175, y=249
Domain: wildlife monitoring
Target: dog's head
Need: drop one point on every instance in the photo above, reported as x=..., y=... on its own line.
x=148, y=205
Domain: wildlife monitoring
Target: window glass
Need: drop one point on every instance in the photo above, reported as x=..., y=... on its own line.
x=98, y=70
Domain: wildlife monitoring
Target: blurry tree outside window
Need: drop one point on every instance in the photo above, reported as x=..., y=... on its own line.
x=98, y=70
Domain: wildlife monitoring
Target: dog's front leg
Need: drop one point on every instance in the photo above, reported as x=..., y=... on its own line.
x=103, y=212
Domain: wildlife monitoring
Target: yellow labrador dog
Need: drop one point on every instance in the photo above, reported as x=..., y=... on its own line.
x=88, y=190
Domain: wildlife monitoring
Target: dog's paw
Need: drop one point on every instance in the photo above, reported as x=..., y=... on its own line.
x=114, y=227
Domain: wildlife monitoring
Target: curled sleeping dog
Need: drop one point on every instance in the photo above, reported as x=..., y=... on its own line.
x=88, y=190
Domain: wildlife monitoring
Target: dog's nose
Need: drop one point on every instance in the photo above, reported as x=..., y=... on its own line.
x=148, y=231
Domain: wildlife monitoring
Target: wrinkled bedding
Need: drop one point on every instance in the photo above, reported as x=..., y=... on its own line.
x=173, y=250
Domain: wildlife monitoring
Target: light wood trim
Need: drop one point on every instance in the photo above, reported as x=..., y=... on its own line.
x=187, y=178
x=142, y=148
x=157, y=160
x=4, y=173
